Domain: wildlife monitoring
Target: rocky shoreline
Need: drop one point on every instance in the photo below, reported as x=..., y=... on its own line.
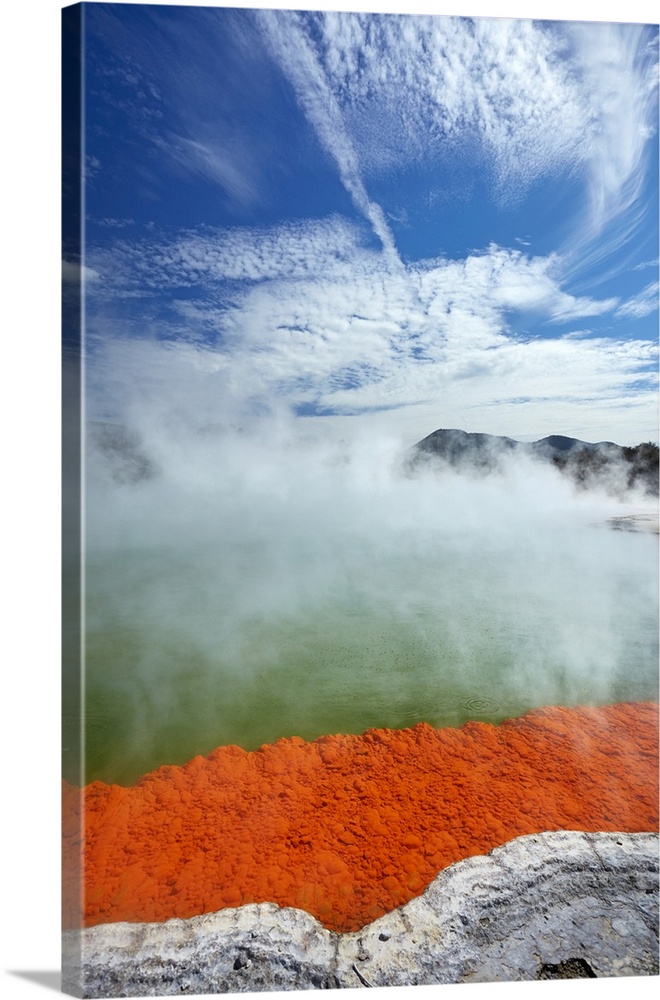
x=542, y=906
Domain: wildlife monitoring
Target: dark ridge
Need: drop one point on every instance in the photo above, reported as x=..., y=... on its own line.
x=457, y=441
x=561, y=443
x=460, y=448
x=602, y=464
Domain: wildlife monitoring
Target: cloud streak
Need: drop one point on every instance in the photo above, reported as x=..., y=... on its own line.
x=434, y=84
x=619, y=69
x=530, y=99
x=641, y=305
x=297, y=59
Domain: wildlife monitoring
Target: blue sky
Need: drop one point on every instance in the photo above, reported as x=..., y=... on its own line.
x=401, y=222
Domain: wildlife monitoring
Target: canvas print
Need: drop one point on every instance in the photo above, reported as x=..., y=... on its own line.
x=360, y=438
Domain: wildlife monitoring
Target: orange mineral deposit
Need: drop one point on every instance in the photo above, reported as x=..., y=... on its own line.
x=350, y=827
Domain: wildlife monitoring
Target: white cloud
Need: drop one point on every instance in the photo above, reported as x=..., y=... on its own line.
x=617, y=66
x=641, y=305
x=425, y=85
x=115, y=223
x=297, y=58
x=315, y=318
x=208, y=258
x=619, y=76
x=515, y=281
x=525, y=99
x=224, y=165
x=305, y=313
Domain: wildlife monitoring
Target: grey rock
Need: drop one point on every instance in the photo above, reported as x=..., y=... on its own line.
x=547, y=906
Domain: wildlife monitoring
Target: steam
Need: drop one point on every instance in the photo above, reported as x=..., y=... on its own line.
x=255, y=582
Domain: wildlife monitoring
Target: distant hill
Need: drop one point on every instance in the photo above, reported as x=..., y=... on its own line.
x=603, y=464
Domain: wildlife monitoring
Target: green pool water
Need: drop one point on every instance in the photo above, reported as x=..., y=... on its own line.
x=191, y=647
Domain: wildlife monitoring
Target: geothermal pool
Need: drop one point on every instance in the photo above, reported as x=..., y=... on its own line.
x=215, y=642
x=236, y=599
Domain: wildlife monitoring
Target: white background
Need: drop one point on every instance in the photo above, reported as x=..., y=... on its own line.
x=29, y=491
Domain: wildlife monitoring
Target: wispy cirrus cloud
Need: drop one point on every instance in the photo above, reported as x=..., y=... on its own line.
x=209, y=157
x=523, y=100
x=298, y=59
x=641, y=305
x=527, y=100
x=618, y=76
x=425, y=86
x=187, y=89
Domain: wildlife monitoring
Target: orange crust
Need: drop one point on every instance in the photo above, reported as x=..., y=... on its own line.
x=350, y=827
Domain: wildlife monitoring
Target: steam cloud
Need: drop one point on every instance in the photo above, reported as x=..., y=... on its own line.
x=247, y=584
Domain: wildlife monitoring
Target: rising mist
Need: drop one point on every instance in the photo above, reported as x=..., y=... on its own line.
x=246, y=583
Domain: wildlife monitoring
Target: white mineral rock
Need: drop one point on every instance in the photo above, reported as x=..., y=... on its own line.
x=552, y=905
